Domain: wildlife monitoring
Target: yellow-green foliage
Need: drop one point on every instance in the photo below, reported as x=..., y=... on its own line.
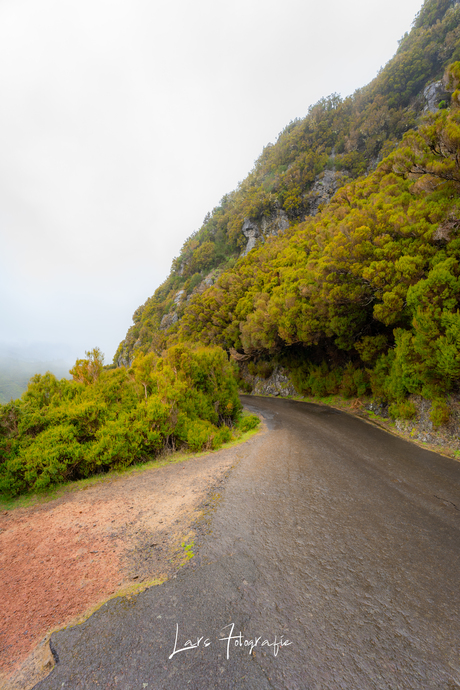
x=371, y=285
x=346, y=136
x=248, y=422
x=439, y=413
x=403, y=410
x=363, y=297
x=109, y=419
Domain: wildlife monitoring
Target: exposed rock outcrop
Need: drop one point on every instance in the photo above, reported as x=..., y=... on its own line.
x=278, y=222
x=179, y=297
x=168, y=320
x=209, y=280
x=421, y=427
x=252, y=233
x=278, y=383
x=443, y=233
x=323, y=189
x=257, y=231
x=433, y=94
x=126, y=355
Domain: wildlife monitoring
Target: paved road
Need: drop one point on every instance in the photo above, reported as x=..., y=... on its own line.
x=331, y=535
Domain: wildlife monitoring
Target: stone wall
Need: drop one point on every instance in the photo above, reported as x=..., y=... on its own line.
x=421, y=427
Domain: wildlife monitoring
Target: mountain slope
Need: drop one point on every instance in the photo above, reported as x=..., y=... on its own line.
x=338, y=256
x=338, y=141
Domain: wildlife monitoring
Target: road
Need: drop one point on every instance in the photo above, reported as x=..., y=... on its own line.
x=332, y=563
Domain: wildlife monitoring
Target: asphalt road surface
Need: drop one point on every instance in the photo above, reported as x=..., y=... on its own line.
x=333, y=563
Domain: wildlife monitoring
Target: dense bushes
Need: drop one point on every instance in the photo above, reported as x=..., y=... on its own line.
x=367, y=293
x=364, y=297
x=320, y=380
x=109, y=419
x=347, y=136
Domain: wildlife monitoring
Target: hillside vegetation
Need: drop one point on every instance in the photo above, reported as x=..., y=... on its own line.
x=337, y=142
x=358, y=295
x=363, y=297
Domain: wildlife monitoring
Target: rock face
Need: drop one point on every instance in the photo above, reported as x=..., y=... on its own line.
x=252, y=233
x=278, y=383
x=179, y=297
x=434, y=93
x=443, y=232
x=168, y=320
x=255, y=231
x=324, y=188
x=126, y=356
x=421, y=427
x=277, y=223
x=209, y=280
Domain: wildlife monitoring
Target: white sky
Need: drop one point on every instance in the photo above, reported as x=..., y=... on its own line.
x=123, y=122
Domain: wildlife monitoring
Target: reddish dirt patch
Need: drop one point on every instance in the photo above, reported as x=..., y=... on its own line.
x=55, y=563
x=59, y=559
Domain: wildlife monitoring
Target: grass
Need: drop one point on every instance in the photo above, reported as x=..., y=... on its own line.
x=188, y=553
x=168, y=458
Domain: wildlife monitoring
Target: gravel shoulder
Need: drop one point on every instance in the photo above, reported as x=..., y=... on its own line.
x=60, y=560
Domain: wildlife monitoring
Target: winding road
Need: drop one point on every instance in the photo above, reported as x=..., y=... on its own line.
x=332, y=563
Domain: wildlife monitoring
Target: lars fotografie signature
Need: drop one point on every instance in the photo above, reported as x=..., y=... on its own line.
x=238, y=640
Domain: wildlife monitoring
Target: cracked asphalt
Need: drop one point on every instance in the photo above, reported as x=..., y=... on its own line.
x=332, y=562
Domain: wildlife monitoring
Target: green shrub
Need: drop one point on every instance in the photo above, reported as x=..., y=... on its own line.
x=110, y=419
x=439, y=413
x=252, y=368
x=248, y=422
x=361, y=380
x=403, y=410
x=54, y=456
x=244, y=385
x=355, y=382
x=195, y=280
x=316, y=379
x=261, y=368
x=223, y=435
x=200, y=435
x=116, y=446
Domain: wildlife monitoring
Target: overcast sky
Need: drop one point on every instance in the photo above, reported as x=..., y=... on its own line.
x=123, y=122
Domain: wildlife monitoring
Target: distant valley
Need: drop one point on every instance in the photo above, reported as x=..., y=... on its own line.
x=19, y=363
